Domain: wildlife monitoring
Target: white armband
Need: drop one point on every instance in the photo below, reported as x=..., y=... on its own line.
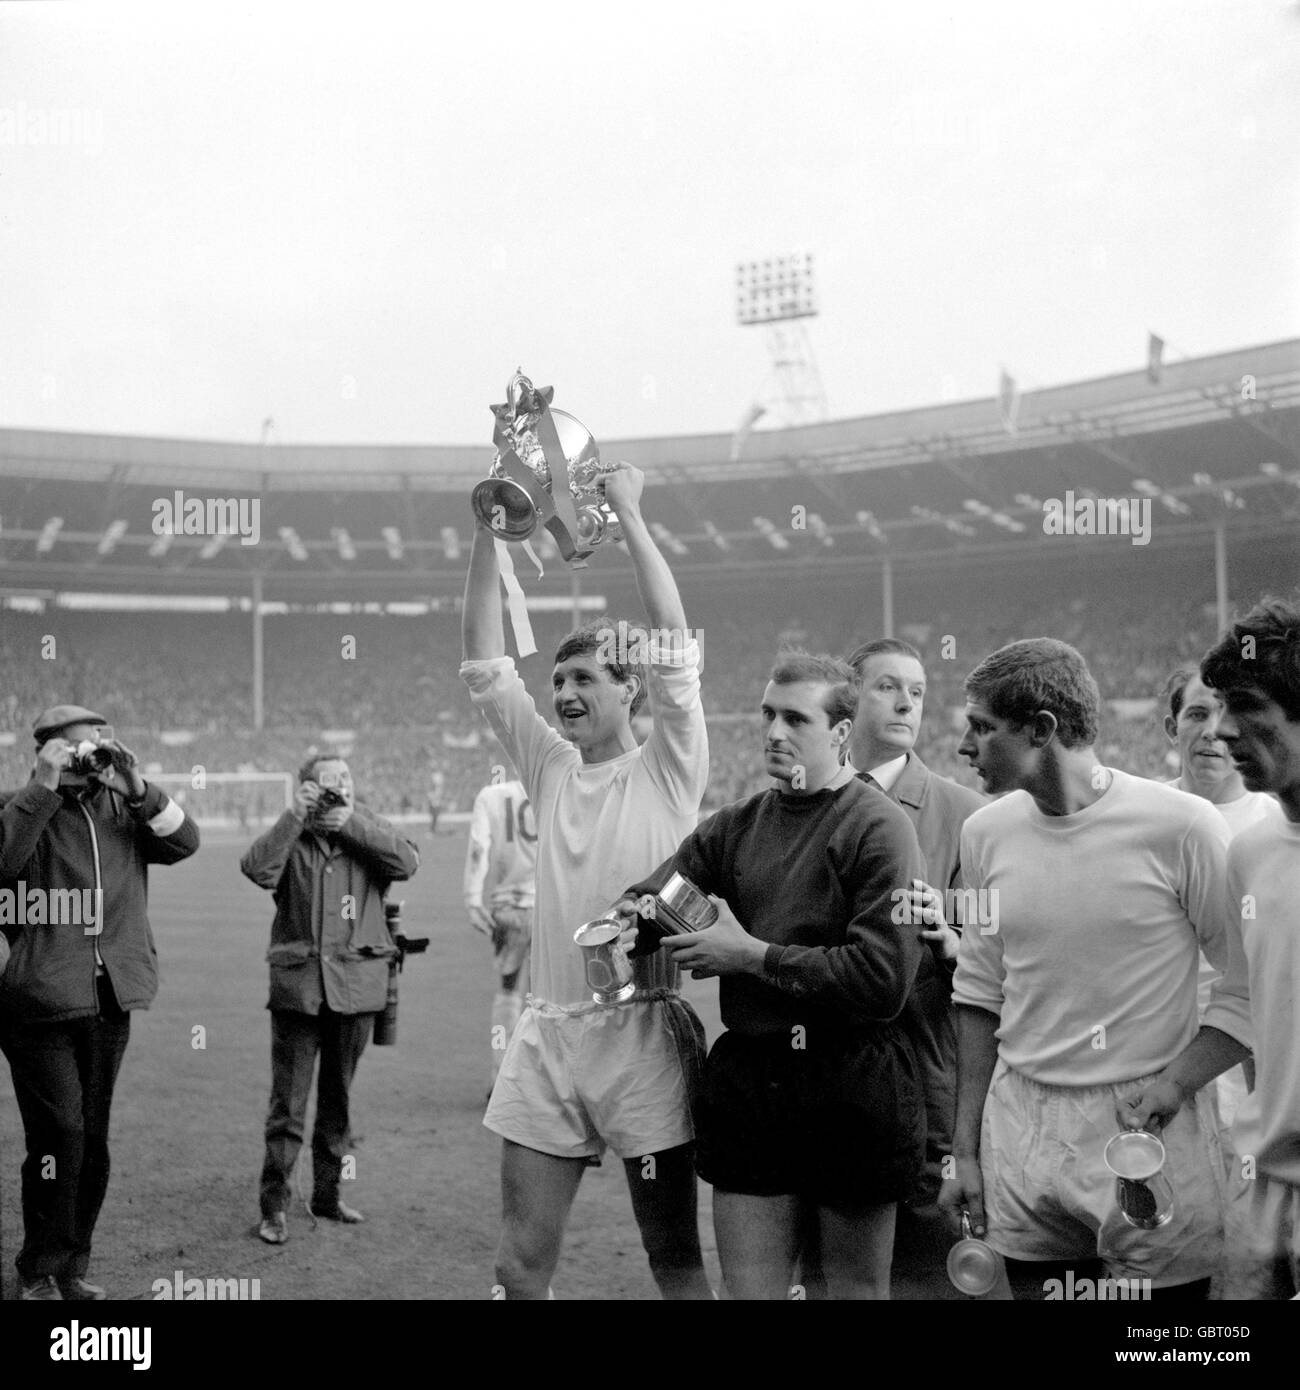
x=169, y=820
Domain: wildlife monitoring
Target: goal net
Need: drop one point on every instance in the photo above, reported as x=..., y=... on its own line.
x=245, y=800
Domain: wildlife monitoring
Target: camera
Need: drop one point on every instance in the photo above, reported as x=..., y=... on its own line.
x=330, y=795
x=385, y=1027
x=90, y=758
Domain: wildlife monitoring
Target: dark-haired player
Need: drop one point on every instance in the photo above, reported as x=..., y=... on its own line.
x=1255, y=670
x=577, y=1076
x=1078, y=1014
x=1206, y=770
x=812, y=1108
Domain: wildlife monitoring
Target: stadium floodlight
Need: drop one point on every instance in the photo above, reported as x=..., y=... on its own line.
x=979, y=508
x=393, y=541
x=776, y=289
x=108, y=541
x=213, y=547
x=51, y=529
x=347, y=551
x=1028, y=501
x=450, y=543
x=766, y=528
x=293, y=543
x=665, y=537
x=716, y=536
x=161, y=545
x=868, y=522
x=1007, y=523
x=776, y=293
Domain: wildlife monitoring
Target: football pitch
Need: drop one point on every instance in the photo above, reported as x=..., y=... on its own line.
x=191, y=1101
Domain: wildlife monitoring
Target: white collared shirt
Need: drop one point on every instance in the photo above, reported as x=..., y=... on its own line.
x=886, y=774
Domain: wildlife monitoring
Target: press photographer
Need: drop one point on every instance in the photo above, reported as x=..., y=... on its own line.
x=329, y=861
x=84, y=829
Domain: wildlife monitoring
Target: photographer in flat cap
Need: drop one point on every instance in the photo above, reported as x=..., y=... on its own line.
x=75, y=848
x=329, y=862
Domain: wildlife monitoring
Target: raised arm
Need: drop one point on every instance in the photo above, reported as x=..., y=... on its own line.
x=654, y=580
x=482, y=633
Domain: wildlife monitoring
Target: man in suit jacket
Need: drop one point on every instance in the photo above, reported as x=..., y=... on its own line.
x=882, y=751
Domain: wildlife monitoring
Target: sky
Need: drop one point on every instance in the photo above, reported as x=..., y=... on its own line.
x=358, y=220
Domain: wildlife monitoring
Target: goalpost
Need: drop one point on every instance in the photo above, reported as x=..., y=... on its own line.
x=242, y=799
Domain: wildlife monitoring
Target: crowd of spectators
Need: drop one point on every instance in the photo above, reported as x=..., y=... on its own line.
x=386, y=688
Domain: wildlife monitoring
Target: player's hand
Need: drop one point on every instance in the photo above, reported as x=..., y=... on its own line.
x=335, y=818
x=725, y=948
x=925, y=905
x=1152, y=1107
x=965, y=1191
x=623, y=487
x=52, y=758
x=479, y=918
x=625, y=909
x=123, y=773
x=305, y=798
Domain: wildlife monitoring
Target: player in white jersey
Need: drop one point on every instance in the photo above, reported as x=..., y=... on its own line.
x=1207, y=770
x=1256, y=669
x=500, y=886
x=1077, y=1004
x=579, y=1076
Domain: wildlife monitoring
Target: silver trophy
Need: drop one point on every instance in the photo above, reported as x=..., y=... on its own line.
x=536, y=446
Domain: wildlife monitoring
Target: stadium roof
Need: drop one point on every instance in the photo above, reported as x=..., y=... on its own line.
x=1213, y=442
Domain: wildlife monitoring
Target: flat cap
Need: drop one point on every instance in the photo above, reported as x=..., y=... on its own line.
x=60, y=716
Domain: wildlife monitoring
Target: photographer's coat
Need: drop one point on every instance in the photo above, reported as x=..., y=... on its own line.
x=329, y=941
x=85, y=838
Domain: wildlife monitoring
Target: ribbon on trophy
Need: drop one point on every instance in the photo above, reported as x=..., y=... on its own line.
x=559, y=482
x=516, y=602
